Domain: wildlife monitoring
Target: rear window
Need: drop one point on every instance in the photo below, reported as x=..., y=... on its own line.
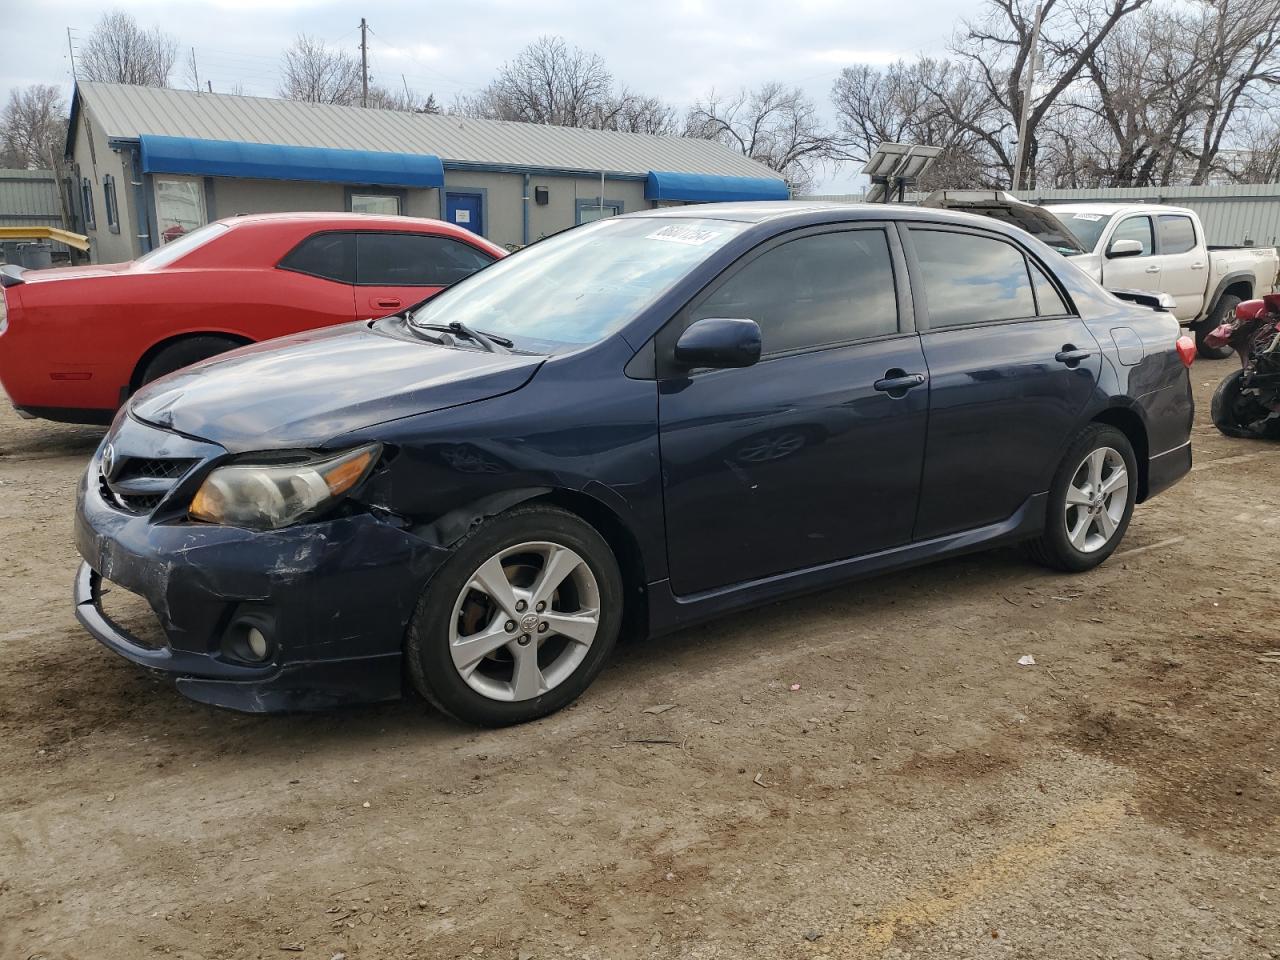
x=415, y=260
x=175, y=250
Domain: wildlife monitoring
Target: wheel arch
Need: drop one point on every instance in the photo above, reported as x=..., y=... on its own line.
x=1233, y=284
x=1129, y=422
x=153, y=351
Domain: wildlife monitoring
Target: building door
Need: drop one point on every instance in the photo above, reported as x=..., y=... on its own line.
x=466, y=210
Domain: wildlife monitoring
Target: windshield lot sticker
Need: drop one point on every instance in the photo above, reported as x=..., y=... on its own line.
x=1091, y=217
x=694, y=236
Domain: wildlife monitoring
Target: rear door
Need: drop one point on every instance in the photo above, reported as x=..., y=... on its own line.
x=811, y=455
x=1011, y=368
x=395, y=270
x=1184, y=262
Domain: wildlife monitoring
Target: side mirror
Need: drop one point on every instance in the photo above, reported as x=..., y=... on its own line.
x=1124, y=248
x=719, y=342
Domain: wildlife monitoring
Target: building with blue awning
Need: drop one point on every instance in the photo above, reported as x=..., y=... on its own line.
x=152, y=164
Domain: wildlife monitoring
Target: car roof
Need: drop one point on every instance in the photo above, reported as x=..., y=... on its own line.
x=1114, y=208
x=337, y=218
x=811, y=211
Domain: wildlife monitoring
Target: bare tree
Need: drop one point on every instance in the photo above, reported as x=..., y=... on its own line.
x=406, y=100
x=637, y=113
x=773, y=124
x=119, y=51
x=33, y=134
x=315, y=73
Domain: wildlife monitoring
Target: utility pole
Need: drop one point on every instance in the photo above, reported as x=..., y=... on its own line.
x=1026, y=98
x=195, y=69
x=364, y=63
x=72, y=50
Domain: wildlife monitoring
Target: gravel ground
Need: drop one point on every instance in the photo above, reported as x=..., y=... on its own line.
x=920, y=795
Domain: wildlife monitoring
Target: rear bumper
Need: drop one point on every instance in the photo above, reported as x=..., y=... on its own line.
x=1166, y=469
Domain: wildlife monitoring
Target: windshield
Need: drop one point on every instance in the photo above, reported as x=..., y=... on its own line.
x=179, y=248
x=1087, y=227
x=581, y=285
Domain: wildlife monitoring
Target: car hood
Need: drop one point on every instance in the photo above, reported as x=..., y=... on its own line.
x=302, y=390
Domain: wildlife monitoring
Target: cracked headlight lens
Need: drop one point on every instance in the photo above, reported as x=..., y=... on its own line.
x=266, y=496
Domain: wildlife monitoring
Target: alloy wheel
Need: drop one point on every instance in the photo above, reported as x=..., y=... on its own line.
x=524, y=621
x=1097, y=497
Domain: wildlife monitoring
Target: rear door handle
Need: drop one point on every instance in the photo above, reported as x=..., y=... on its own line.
x=1153, y=269
x=896, y=383
x=387, y=302
x=1197, y=266
x=1071, y=356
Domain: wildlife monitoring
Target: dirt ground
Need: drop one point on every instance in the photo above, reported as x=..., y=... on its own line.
x=921, y=794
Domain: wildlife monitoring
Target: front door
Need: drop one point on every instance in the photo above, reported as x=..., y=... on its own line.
x=466, y=210
x=396, y=270
x=1011, y=368
x=811, y=455
x=1141, y=272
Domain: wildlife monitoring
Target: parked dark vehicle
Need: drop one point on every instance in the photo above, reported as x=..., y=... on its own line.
x=1247, y=401
x=649, y=421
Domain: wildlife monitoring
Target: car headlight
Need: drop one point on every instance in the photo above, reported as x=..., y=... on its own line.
x=265, y=496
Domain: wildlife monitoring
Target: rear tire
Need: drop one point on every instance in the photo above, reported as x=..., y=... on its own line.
x=183, y=353
x=1223, y=411
x=456, y=667
x=1222, y=312
x=1084, y=523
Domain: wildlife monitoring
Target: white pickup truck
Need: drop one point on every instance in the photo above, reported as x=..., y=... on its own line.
x=1140, y=246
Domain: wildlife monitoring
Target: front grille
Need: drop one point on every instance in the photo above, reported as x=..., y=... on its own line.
x=140, y=483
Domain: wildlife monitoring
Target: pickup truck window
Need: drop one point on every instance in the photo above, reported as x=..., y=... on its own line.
x=1177, y=234
x=1085, y=227
x=1136, y=228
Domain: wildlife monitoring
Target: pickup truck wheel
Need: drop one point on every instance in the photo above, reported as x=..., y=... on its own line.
x=1222, y=312
x=519, y=620
x=1090, y=501
x=183, y=353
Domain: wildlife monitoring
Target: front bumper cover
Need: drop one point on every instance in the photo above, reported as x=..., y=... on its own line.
x=338, y=594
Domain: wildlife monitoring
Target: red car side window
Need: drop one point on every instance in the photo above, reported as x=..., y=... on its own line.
x=330, y=256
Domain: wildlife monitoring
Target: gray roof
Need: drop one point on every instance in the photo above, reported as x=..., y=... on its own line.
x=126, y=112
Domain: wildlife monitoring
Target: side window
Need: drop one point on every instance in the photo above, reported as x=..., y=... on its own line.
x=972, y=279
x=109, y=201
x=814, y=291
x=1049, y=302
x=330, y=256
x=1136, y=228
x=414, y=260
x=1177, y=234
x=86, y=201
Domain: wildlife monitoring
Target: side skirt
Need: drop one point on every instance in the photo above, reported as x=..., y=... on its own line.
x=668, y=612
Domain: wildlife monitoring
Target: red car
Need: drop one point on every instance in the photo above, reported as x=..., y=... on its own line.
x=76, y=341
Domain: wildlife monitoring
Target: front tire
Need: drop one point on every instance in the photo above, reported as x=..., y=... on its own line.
x=1090, y=501
x=1223, y=311
x=519, y=621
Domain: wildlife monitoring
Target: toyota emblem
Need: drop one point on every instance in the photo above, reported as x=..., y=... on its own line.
x=108, y=460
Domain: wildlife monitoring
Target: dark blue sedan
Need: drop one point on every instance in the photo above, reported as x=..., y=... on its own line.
x=640, y=423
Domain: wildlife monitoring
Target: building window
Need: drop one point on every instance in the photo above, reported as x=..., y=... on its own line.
x=593, y=209
x=383, y=204
x=109, y=202
x=179, y=206
x=86, y=203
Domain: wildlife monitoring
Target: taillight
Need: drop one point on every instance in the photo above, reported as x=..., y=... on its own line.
x=1186, y=350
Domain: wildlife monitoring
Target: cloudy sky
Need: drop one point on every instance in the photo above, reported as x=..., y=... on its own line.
x=678, y=50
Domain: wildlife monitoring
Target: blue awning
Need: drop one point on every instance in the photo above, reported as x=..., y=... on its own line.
x=273, y=161
x=709, y=188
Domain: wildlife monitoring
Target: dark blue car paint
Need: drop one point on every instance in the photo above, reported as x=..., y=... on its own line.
x=717, y=490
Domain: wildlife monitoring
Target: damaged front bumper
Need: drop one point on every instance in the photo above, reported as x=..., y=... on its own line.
x=332, y=600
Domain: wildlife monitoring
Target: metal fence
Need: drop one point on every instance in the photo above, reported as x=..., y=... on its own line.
x=30, y=198
x=1243, y=214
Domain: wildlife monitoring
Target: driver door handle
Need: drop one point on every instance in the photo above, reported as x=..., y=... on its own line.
x=1153, y=269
